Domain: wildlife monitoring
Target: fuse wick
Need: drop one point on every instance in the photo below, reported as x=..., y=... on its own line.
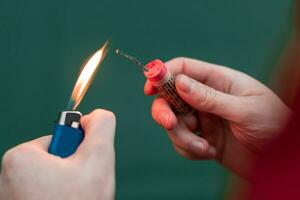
x=131, y=58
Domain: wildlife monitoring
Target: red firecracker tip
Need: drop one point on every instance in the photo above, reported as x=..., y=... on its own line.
x=156, y=70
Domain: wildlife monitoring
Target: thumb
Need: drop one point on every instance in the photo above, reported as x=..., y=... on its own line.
x=99, y=127
x=206, y=99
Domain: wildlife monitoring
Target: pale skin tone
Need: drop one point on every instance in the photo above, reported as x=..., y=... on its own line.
x=30, y=173
x=236, y=115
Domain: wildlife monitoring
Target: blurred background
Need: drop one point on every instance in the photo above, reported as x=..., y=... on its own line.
x=44, y=43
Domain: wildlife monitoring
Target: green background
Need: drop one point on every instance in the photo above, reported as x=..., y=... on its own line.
x=44, y=43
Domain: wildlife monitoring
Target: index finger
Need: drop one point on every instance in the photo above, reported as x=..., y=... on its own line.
x=198, y=70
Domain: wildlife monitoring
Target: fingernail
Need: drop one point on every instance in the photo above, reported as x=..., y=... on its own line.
x=212, y=151
x=184, y=83
x=197, y=146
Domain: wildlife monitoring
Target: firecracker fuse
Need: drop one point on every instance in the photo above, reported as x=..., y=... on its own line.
x=161, y=78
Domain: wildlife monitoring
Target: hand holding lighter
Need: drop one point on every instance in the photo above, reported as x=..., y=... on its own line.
x=68, y=133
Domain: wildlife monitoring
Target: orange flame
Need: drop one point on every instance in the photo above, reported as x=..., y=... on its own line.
x=87, y=74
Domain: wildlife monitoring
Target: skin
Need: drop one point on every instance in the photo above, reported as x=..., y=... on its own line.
x=236, y=115
x=30, y=172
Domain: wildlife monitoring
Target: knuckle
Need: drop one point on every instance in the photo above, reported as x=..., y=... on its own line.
x=179, y=59
x=8, y=157
x=205, y=98
x=15, y=156
x=104, y=114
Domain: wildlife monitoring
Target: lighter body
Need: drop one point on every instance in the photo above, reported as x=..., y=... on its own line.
x=67, y=134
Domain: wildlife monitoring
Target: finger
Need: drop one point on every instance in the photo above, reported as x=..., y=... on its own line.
x=187, y=155
x=191, y=121
x=43, y=142
x=189, y=142
x=99, y=127
x=163, y=114
x=207, y=99
x=212, y=127
x=213, y=131
x=38, y=146
x=22, y=153
x=149, y=89
x=213, y=75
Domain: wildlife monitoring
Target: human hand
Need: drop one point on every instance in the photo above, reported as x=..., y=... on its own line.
x=30, y=172
x=236, y=115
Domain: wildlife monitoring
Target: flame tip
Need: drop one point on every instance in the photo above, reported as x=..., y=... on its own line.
x=87, y=74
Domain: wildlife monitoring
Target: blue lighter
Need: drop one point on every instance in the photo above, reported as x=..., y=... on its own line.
x=67, y=134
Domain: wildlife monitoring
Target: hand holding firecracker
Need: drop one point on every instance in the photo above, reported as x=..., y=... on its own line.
x=233, y=113
x=29, y=172
x=222, y=113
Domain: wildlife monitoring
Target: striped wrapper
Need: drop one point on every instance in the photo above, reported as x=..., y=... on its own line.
x=168, y=92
